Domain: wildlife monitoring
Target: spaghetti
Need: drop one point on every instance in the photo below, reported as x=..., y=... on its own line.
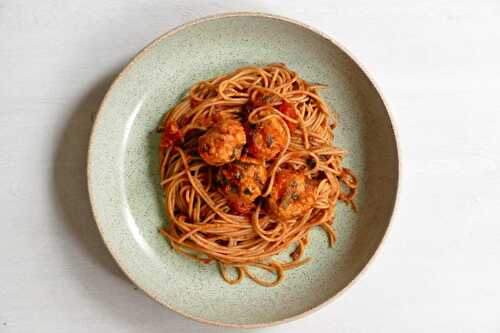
x=248, y=168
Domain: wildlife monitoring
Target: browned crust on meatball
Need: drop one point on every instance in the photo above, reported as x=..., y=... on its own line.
x=242, y=181
x=222, y=143
x=292, y=195
x=266, y=139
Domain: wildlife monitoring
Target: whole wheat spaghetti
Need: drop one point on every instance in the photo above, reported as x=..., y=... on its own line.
x=248, y=168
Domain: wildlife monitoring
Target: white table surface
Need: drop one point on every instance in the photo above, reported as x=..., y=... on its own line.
x=438, y=65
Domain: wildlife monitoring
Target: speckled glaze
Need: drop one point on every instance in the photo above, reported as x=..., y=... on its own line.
x=124, y=181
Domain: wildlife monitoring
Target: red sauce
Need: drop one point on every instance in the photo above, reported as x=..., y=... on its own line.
x=171, y=135
x=281, y=183
x=241, y=208
x=287, y=110
x=194, y=103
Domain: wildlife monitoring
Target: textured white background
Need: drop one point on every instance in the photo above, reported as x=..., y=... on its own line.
x=437, y=62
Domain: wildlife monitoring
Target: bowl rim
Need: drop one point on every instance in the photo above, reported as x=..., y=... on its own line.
x=138, y=57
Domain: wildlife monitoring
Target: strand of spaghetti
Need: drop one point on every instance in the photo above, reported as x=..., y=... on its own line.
x=264, y=233
x=279, y=276
x=295, y=264
x=274, y=168
x=179, y=174
x=200, y=191
x=164, y=163
x=223, y=272
x=332, y=235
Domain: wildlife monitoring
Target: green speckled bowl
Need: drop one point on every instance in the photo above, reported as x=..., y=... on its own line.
x=124, y=181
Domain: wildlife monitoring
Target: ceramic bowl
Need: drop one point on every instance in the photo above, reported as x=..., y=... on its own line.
x=124, y=181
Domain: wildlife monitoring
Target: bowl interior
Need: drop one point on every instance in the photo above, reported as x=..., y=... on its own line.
x=123, y=167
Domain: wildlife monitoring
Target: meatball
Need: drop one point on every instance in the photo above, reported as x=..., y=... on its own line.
x=222, y=143
x=292, y=195
x=266, y=139
x=242, y=182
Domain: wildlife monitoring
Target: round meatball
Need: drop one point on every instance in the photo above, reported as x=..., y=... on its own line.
x=242, y=182
x=222, y=143
x=292, y=195
x=266, y=139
